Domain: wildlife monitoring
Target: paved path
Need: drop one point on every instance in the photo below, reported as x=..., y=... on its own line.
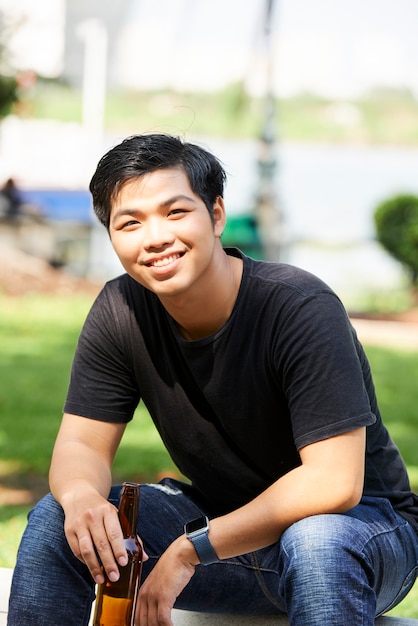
x=387, y=333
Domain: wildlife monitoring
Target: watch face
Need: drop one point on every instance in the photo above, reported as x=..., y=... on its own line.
x=196, y=524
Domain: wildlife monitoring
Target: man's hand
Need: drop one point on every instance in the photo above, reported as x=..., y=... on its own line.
x=94, y=534
x=164, y=584
x=80, y=480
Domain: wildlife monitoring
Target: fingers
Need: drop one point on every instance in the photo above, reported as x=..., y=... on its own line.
x=151, y=614
x=88, y=556
x=97, y=540
x=155, y=602
x=158, y=593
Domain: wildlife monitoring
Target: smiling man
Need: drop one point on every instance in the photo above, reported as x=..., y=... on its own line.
x=169, y=242
x=295, y=499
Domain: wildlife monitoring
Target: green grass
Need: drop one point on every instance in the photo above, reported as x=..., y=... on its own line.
x=38, y=336
x=380, y=117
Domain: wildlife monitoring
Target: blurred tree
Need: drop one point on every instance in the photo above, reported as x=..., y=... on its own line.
x=8, y=82
x=8, y=94
x=396, y=222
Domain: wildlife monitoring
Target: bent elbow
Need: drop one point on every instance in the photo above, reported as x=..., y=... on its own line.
x=348, y=496
x=350, y=503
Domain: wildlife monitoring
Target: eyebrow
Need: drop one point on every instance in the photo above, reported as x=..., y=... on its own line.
x=164, y=204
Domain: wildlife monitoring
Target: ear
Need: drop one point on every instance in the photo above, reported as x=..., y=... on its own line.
x=219, y=216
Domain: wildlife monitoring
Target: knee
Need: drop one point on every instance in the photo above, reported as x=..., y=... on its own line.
x=46, y=523
x=318, y=543
x=47, y=508
x=323, y=571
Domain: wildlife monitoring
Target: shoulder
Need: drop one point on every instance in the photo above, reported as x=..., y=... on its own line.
x=121, y=304
x=122, y=314
x=283, y=284
x=279, y=275
x=122, y=292
x=285, y=276
x=121, y=286
x=289, y=297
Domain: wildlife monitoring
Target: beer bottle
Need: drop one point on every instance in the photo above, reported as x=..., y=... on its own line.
x=116, y=601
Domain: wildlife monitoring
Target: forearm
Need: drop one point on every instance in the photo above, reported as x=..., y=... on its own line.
x=302, y=492
x=75, y=468
x=82, y=458
x=262, y=521
x=330, y=480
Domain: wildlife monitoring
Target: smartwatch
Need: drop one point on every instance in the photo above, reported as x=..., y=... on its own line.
x=197, y=531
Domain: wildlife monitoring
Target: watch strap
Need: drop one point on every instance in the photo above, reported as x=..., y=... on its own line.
x=204, y=548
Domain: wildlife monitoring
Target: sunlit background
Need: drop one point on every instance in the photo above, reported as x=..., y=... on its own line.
x=310, y=104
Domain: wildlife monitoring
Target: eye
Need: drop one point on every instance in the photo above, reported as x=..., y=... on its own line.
x=176, y=212
x=129, y=224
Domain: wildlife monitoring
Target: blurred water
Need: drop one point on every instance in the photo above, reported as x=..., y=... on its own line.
x=325, y=192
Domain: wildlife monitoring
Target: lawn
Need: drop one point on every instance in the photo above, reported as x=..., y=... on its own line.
x=38, y=336
x=379, y=117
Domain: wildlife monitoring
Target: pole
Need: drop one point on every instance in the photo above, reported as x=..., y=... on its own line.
x=94, y=35
x=267, y=212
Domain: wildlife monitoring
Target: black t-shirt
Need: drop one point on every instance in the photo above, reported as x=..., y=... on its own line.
x=234, y=408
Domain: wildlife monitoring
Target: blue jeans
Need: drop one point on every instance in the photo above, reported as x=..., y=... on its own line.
x=325, y=570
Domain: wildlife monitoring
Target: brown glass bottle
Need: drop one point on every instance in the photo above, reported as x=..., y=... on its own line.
x=115, y=602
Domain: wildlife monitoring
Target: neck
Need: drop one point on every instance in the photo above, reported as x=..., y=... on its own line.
x=205, y=311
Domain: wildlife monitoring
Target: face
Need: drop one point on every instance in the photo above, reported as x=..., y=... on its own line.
x=163, y=234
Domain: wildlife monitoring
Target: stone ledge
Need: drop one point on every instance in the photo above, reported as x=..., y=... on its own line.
x=188, y=618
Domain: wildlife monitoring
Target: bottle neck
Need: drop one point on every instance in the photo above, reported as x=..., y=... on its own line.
x=128, y=509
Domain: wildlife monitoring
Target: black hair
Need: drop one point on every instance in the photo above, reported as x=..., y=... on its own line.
x=140, y=154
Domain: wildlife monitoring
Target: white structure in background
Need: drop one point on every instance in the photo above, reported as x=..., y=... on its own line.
x=37, y=41
x=94, y=35
x=337, y=49
x=47, y=152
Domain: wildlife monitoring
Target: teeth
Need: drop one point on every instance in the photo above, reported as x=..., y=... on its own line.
x=166, y=261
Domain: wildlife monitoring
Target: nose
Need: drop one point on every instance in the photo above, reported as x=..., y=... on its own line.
x=157, y=233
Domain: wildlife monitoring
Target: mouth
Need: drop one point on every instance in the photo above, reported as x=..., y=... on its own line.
x=164, y=261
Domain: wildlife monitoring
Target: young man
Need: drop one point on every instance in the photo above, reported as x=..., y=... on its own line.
x=263, y=396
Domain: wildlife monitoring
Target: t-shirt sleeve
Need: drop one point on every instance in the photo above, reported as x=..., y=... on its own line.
x=102, y=384
x=324, y=371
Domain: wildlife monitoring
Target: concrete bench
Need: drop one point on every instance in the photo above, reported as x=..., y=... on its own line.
x=188, y=618
x=185, y=618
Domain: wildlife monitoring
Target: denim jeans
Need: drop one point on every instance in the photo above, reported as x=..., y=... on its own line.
x=325, y=570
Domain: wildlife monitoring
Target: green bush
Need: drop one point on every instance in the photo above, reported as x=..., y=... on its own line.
x=8, y=94
x=396, y=222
